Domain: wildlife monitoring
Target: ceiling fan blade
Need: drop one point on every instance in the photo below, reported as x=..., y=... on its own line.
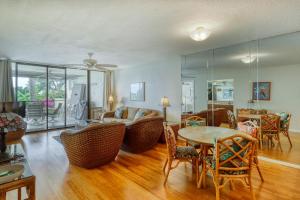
x=105, y=65
x=81, y=65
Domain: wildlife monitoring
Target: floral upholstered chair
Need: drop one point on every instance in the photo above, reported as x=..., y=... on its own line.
x=231, y=119
x=232, y=160
x=251, y=128
x=194, y=121
x=179, y=154
x=285, y=119
x=270, y=128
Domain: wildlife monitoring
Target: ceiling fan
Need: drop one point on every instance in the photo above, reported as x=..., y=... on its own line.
x=91, y=63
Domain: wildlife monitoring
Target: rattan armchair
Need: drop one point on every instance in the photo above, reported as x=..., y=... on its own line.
x=143, y=134
x=95, y=145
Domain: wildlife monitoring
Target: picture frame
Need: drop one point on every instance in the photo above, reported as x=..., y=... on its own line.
x=137, y=91
x=261, y=91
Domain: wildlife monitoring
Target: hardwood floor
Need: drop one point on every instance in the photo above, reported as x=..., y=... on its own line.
x=291, y=155
x=139, y=177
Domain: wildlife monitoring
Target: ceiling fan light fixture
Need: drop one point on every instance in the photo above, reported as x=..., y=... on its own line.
x=200, y=34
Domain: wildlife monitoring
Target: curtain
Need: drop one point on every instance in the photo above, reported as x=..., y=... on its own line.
x=108, y=88
x=6, y=82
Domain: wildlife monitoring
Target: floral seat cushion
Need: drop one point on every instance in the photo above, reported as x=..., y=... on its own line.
x=186, y=152
x=284, y=120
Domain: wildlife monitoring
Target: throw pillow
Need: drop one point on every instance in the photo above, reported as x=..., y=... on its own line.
x=119, y=112
x=139, y=114
x=131, y=113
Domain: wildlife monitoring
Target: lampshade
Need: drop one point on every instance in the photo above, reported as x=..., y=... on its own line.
x=110, y=99
x=165, y=102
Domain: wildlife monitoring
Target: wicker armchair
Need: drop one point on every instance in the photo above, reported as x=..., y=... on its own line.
x=143, y=134
x=95, y=145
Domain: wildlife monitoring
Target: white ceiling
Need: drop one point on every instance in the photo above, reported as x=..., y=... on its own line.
x=136, y=32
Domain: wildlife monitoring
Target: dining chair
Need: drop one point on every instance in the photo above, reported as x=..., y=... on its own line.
x=285, y=119
x=194, y=121
x=251, y=128
x=232, y=160
x=270, y=127
x=178, y=154
x=231, y=119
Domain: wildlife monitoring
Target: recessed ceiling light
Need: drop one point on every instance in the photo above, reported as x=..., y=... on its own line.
x=248, y=59
x=200, y=34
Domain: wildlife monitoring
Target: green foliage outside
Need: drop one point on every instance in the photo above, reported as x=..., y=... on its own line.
x=36, y=90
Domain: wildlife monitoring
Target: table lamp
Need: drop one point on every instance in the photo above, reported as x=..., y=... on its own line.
x=110, y=101
x=165, y=103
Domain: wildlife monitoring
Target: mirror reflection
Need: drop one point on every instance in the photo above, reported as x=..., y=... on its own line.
x=254, y=81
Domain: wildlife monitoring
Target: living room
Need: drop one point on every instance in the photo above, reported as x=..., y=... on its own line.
x=149, y=99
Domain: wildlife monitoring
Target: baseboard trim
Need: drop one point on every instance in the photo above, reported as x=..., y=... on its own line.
x=294, y=130
x=287, y=164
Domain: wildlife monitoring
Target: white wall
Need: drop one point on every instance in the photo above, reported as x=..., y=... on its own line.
x=162, y=78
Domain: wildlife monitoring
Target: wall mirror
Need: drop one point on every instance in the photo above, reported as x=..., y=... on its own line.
x=253, y=80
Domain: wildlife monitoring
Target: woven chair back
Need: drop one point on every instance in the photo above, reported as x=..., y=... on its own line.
x=270, y=123
x=195, y=121
x=170, y=141
x=234, y=154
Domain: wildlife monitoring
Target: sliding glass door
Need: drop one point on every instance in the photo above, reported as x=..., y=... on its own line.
x=56, y=97
x=31, y=88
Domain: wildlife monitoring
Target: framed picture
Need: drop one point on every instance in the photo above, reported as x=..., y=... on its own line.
x=137, y=91
x=261, y=91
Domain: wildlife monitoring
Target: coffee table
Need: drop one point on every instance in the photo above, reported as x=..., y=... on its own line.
x=27, y=179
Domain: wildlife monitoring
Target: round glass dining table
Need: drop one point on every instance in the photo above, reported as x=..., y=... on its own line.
x=205, y=136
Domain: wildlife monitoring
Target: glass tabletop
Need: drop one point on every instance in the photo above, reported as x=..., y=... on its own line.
x=206, y=134
x=18, y=158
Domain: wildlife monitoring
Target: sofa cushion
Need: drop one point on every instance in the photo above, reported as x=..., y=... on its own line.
x=151, y=114
x=139, y=114
x=131, y=113
x=111, y=119
x=119, y=112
